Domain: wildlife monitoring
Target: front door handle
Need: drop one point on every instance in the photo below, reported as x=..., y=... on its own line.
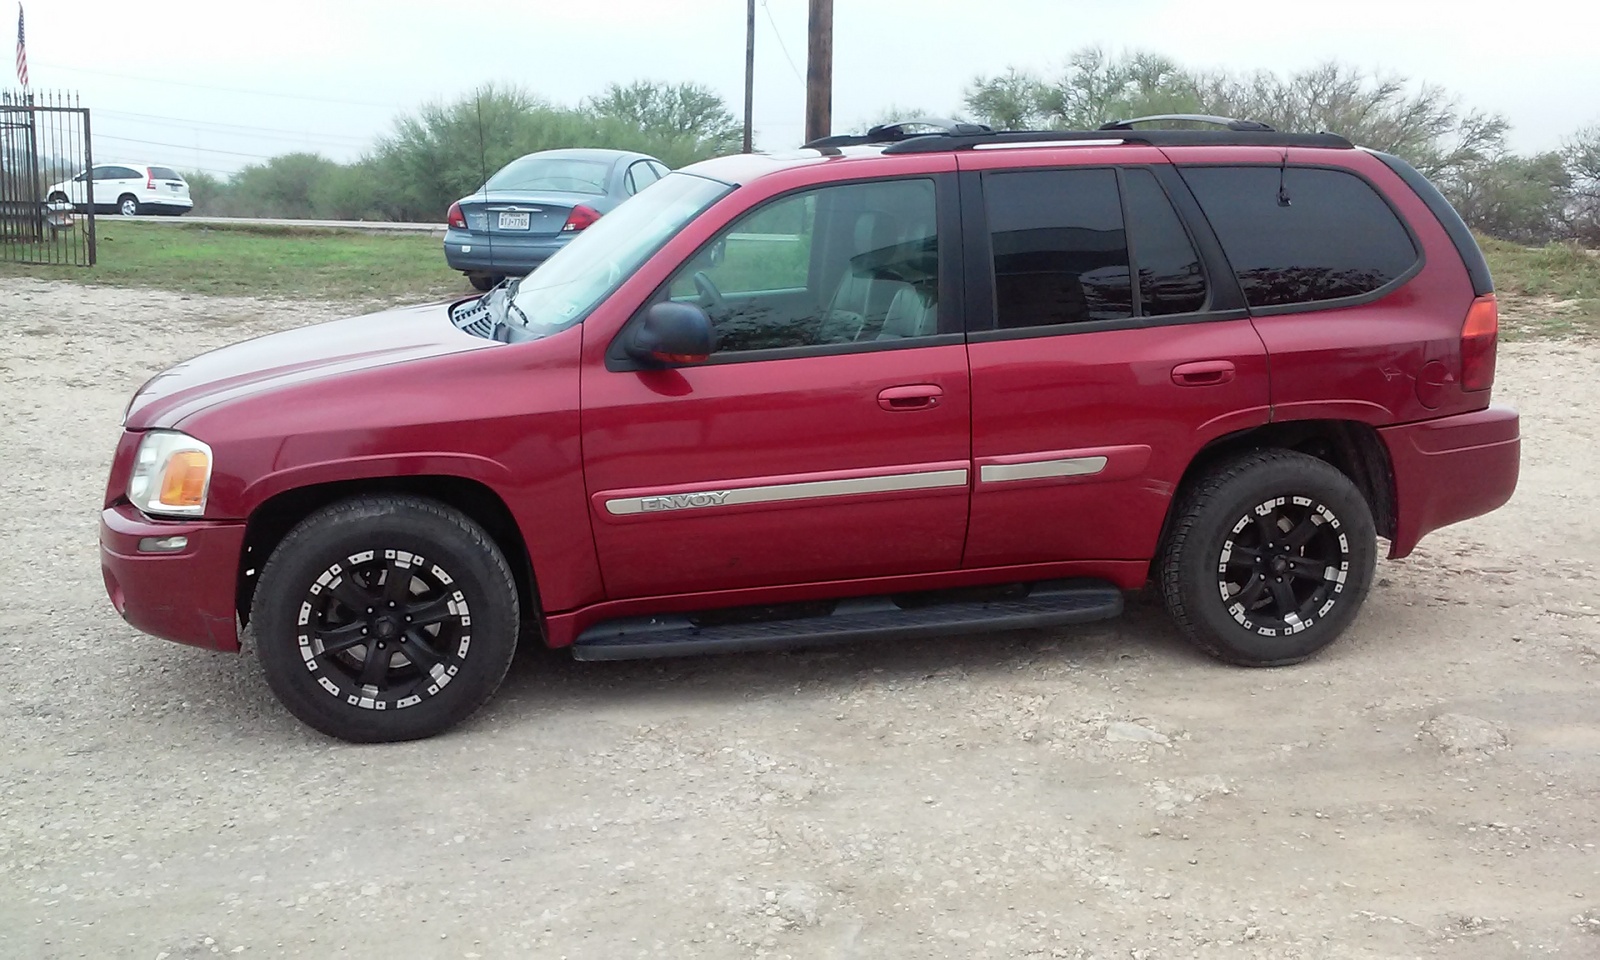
x=1203, y=373
x=916, y=396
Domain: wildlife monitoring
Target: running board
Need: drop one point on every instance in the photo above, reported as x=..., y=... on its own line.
x=1048, y=604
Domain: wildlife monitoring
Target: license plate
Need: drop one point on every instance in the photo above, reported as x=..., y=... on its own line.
x=514, y=221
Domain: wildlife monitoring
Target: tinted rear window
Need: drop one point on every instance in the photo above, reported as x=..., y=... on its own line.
x=164, y=173
x=1060, y=250
x=1170, y=279
x=1336, y=238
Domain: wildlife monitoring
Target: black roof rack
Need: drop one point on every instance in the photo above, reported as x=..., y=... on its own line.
x=899, y=130
x=912, y=136
x=938, y=143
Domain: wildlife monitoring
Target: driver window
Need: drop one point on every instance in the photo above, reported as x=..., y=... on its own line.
x=851, y=263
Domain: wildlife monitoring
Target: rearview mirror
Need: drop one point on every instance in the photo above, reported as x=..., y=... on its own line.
x=672, y=333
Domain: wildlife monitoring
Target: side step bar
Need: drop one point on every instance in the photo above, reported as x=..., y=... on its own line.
x=1048, y=604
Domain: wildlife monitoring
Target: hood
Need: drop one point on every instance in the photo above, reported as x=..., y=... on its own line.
x=297, y=356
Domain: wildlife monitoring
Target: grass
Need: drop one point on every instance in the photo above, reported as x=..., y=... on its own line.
x=1549, y=291
x=263, y=262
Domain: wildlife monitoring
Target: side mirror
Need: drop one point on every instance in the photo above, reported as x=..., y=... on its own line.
x=80, y=178
x=672, y=333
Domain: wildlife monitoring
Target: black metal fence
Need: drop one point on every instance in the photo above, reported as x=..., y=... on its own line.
x=46, y=194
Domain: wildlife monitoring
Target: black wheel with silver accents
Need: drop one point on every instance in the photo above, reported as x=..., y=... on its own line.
x=1269, y=558
x=385, y=618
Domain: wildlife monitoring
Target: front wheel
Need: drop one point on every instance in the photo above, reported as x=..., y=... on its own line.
x=1269, y=558
x=385, y=618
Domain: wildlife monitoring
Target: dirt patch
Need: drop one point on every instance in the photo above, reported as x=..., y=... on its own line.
x=1428, y=787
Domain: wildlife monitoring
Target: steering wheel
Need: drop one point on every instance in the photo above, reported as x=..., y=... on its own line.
x=714, y=300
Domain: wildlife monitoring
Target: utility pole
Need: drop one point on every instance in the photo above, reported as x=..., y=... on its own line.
x=819, y=72
x=749, y=73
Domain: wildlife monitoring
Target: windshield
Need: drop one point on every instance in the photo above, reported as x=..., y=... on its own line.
x=565, y=288
x=552, y=173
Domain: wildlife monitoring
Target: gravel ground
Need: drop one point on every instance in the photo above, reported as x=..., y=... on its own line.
x=1428, y=787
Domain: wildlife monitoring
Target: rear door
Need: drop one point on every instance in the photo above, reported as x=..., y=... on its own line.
x=828, y=436
x=1109, y=345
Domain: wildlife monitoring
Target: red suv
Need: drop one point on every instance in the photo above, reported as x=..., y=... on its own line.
x=885, y=386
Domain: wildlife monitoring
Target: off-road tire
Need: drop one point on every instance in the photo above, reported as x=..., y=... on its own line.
x=1206, y=548
x=454, y=576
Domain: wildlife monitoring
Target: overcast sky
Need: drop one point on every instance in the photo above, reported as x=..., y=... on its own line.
x=216, y=84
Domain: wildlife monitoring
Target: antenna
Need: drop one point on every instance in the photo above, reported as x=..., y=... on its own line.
x=483, y=169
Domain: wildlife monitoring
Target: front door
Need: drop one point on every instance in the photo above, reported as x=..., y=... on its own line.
x=1118, y=348
x=827, y=438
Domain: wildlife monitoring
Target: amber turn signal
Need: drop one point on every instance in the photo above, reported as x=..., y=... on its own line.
x=183, y=484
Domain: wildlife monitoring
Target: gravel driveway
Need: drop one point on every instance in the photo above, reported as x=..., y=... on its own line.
x=1428, y=787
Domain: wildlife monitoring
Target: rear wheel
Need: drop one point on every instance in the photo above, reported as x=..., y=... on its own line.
x=385, y=618
x=1269, y=559
x=484, y=281
x=128, y=205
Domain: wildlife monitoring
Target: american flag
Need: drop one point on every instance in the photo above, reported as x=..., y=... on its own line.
x=22, y=50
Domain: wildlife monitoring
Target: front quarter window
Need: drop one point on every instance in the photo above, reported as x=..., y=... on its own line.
x=568, y=286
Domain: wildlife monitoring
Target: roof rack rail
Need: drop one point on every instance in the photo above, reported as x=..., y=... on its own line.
x=1238, y=126
x=898, y=130
x=938, y=143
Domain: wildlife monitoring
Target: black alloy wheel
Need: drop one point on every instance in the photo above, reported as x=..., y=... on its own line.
x=1268, y=559
x=385, y=618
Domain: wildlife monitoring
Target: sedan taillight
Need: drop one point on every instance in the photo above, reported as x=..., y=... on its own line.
x=581, y=218
x=455, y=217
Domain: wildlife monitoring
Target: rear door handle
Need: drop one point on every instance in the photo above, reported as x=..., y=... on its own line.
x=916, y=396
x=1203, y=373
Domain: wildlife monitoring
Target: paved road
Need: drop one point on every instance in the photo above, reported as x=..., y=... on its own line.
x=376, y=226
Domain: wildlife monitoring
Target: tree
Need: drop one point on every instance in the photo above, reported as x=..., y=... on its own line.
x=206, y=190
x=445, y=151
x=280, y=187
x=1425, y=125
x=1522, y=199
x=1581, y=155
x=677, y=123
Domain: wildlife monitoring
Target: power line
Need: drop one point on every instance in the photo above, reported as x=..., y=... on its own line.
x=128, y=140
x=204, y=86
x=779, y=37
x=239, y=128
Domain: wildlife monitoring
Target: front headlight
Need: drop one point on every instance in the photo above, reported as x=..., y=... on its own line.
x=171, y=474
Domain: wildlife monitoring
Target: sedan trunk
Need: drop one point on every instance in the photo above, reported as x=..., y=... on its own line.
x=518, y=213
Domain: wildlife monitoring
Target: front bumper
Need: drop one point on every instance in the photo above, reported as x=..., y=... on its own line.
x=507, y=254
x=185, y=595
x=1451, y=469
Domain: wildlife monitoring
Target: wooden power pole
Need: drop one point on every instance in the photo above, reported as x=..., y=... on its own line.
x=819, y=72
x=749, y=74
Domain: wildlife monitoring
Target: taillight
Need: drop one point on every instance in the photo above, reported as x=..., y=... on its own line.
x=150, y=184
x=456, y=218
x=1478, y=335
x=581, y=218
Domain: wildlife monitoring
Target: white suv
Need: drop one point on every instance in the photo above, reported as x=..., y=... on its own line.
x=127, y=188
